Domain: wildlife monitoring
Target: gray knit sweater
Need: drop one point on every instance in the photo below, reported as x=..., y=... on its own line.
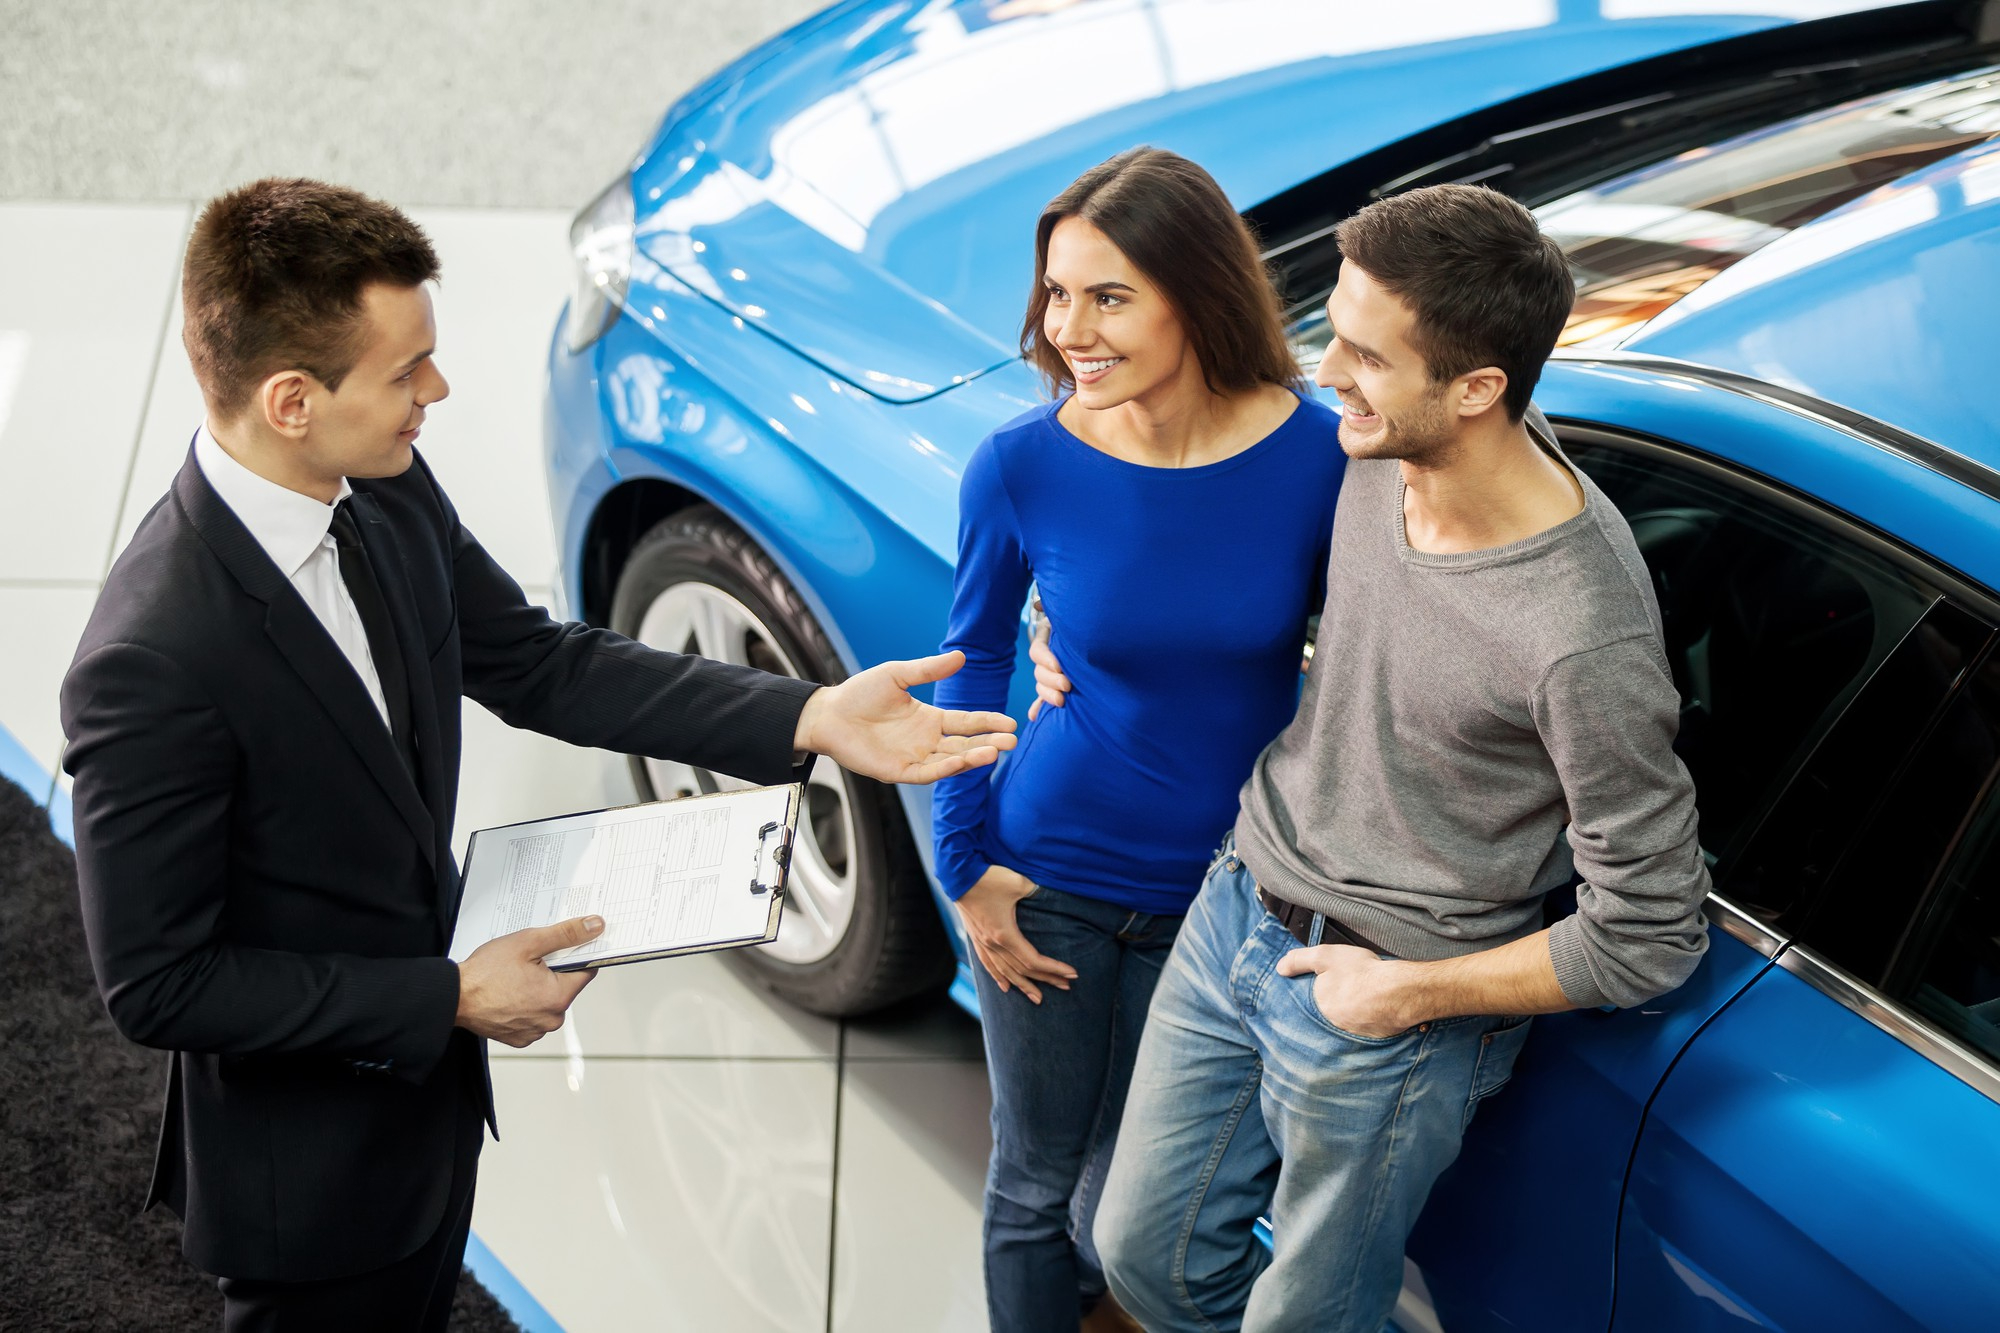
x=1460, y=710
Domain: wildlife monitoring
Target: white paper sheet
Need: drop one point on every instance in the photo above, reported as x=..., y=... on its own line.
x=668, y=876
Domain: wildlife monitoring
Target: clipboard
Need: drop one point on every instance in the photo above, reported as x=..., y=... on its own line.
x=692, y=875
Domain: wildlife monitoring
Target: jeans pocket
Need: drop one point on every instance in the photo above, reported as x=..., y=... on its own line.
x=1302, y=987
x=1498, y=1050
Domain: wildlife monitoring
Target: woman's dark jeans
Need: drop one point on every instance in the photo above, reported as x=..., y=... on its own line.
x=1059, y=1071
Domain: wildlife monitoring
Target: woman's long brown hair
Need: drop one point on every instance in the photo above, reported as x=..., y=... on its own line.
x=1172, y=221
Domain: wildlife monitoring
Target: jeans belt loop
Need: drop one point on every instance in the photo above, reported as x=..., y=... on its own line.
x=1316, y=932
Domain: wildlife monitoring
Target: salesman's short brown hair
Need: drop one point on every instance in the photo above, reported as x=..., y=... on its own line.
x=274, y=278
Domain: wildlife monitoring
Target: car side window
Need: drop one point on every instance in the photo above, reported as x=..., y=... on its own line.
x=1841, y=861
x=1773, y=622
x=1954, y=976
x=1947, y=965
x=1899, y=817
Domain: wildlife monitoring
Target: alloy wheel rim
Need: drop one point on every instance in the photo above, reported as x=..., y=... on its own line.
x=701, y=618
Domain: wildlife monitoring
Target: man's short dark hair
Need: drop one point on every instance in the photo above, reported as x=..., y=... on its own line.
x=1487, y=288
x=274, y=277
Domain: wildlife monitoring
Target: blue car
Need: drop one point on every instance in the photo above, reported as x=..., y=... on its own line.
x=798, y=313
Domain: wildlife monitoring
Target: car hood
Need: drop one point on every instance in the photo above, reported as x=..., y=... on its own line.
x=865, y=187
x=1884, y=305
x=719, y=231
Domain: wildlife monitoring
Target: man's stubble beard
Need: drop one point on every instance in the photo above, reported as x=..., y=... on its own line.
x=1425, y=438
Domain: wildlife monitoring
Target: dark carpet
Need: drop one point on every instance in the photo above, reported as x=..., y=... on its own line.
x=79, y=1116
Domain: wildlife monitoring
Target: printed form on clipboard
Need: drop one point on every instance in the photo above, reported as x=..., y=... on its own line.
x=668, y=877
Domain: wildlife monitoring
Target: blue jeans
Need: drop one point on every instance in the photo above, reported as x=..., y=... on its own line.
x=1059, y=1072
x=1245, y=1098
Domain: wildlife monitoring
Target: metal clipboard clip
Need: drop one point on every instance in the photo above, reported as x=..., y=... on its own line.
x=774, y=849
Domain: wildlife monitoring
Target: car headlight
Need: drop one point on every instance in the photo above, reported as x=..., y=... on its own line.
x=601, y=240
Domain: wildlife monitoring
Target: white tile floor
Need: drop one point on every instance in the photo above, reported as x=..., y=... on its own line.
x=687, y=1153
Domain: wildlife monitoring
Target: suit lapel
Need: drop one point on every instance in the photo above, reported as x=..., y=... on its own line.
x=298, y=635
x=303, y=640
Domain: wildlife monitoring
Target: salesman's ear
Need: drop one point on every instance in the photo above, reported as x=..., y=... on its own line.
x=286, y=401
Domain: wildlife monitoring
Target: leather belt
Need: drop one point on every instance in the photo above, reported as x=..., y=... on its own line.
x=1298, y=919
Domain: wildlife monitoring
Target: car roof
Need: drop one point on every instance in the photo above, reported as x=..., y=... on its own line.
x=1886, y=306
x=914, y=144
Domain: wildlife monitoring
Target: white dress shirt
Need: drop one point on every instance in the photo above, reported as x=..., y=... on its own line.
x=293, y=530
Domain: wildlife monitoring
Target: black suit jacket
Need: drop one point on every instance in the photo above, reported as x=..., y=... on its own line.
x=268, y=889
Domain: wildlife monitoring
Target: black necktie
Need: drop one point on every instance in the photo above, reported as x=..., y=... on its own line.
x=359, y=576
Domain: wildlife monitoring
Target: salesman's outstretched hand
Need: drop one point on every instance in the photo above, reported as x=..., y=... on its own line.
x=869, y=724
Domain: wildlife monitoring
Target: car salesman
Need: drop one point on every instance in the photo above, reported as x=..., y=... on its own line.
x=263, y=721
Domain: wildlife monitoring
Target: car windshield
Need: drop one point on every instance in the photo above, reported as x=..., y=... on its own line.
x=1641, y=242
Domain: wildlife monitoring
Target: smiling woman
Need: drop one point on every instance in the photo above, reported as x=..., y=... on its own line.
x=1156, y=213
x=1173, y=508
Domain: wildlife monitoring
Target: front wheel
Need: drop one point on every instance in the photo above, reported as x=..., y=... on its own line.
x=860, y=930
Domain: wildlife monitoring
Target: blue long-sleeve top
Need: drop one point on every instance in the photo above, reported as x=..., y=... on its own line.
x=1178, y=599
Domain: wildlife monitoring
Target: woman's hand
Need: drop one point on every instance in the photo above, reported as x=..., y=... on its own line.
x=988, y=909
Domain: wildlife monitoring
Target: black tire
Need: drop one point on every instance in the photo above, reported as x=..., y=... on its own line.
x=894, y=945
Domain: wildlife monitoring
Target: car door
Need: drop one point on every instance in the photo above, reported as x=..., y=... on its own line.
x=1826, y=1154
x=1782, y=624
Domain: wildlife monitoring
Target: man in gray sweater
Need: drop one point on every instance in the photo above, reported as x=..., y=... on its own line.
x=1360, y=968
